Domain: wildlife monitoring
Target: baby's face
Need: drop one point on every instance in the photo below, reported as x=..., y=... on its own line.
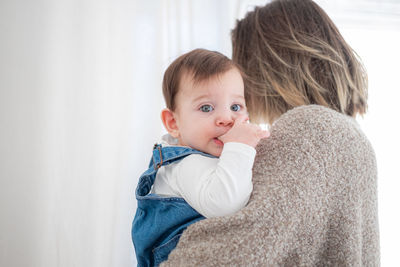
x=207, y=110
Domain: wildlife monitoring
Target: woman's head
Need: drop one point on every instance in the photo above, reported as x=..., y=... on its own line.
x=293, y=55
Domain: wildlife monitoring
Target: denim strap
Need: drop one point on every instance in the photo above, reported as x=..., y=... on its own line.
x=166, y=155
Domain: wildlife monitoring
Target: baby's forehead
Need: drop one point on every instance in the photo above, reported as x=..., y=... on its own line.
x=196, y=78
x=193, y=78
x=189, y=84
x=229, y=83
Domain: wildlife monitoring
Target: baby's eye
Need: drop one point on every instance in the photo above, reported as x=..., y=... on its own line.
x=206, y=108
x=235, y=107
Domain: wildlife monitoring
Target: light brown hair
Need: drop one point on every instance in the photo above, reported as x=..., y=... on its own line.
x=293, y=54
x=202, y=64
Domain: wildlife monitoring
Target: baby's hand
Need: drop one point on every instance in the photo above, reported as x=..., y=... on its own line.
x=244, y=132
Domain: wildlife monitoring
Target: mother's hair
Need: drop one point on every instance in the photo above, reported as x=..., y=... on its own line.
x=293, y=55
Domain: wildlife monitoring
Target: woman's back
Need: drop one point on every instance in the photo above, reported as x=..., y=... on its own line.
x=314, y=201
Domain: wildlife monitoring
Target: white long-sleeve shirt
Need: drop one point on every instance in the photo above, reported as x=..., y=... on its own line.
x=212, y=186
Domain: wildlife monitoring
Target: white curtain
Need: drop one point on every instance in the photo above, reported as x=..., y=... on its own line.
x=80, y=98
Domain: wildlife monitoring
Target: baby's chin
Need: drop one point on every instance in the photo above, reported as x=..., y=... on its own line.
x=216, y=152
x=214, y=148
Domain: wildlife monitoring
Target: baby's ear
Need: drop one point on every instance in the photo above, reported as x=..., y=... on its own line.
x=169, y=121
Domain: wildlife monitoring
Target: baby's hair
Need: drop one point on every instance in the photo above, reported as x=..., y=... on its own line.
x=201, y=64
x=293, y=54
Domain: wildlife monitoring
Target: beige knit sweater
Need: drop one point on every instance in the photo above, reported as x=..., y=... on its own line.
x=314, y=201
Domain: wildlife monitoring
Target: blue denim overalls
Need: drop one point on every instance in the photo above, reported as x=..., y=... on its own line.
x=160, y=221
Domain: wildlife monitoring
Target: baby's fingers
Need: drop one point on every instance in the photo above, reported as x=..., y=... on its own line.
x=241, y=119
x=262, y=133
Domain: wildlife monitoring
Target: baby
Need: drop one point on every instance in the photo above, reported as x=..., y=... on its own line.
x=203, y=166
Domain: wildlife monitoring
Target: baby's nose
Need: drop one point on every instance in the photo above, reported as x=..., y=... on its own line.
x=225, y=119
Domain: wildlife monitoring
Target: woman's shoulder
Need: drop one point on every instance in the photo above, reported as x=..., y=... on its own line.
x=315, y=136
x=315, y=124
x=315, y=118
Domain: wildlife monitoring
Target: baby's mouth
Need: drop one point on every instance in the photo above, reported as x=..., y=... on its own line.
x=218, y=142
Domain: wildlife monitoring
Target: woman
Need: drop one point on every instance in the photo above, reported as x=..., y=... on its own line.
x=314, y=201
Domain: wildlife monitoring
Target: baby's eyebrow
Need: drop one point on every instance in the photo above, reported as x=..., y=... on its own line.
x=239, y=96
x=200, y=98
x=208, y=96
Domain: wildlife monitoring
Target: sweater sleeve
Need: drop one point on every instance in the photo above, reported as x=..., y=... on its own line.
x=216, y=187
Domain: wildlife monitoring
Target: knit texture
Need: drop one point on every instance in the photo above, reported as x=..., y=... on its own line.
x=314, y=201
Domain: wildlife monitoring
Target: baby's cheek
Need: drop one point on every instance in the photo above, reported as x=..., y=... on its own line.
x=239, y=114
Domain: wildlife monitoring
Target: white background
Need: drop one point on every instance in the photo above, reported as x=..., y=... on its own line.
x=80, y=97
